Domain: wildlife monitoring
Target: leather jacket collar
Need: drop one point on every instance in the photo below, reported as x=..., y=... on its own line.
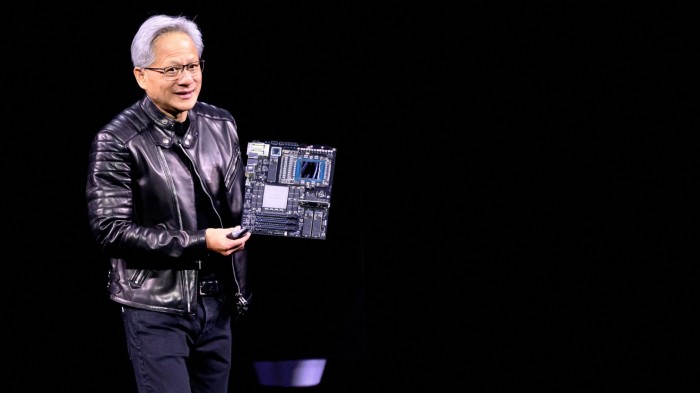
x=164, y=135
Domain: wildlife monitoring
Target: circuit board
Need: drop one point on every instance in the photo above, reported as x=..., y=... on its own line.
x=288, y=189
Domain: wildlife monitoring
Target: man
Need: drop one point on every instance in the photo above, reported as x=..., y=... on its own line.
x=164, y=189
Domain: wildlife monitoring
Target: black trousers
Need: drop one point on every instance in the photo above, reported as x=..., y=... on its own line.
x=173, y=353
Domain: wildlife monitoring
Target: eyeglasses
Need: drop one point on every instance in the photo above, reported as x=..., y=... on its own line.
x=173, y=72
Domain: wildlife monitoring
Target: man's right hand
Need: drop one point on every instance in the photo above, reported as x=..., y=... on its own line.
x=219, y=242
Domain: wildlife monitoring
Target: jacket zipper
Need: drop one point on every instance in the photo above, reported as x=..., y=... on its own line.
x=238, y=294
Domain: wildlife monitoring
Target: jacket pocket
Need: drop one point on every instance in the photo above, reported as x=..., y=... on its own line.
x=137, y=279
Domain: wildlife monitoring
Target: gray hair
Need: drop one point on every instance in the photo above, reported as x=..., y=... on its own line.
x=142, y=46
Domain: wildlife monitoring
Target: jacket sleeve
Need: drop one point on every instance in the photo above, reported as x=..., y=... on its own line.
x=112, y=218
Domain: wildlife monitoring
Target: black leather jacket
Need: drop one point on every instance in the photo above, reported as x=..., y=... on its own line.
x=141, y=202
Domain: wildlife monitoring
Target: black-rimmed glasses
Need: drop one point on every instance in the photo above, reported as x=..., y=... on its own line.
x=173, y=72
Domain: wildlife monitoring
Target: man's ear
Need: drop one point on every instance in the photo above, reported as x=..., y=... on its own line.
x=140, y=77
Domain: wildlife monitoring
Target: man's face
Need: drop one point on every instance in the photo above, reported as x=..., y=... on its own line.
x=173, y=97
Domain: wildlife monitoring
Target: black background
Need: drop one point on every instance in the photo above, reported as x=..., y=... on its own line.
x=511, y=200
